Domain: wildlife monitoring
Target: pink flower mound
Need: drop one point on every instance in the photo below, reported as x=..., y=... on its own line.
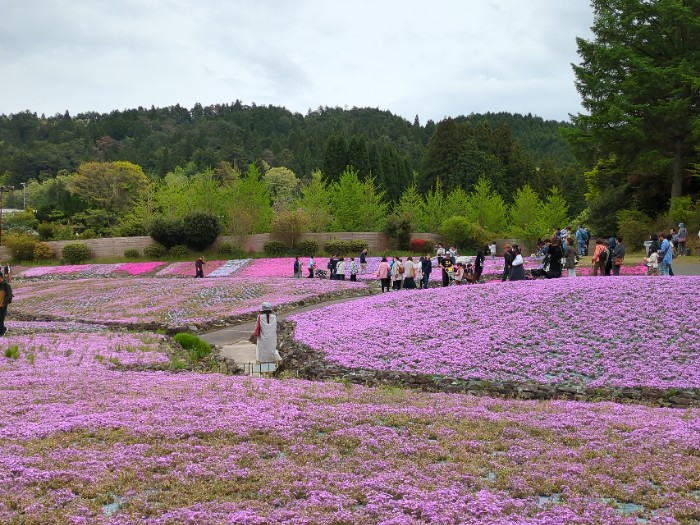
x=165, y=302
x=77, y=434
x=279, y=267
x=138, y=268
x=186, y=269
x=83, y=269
x=594, y=332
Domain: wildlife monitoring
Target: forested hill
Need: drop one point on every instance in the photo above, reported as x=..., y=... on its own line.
x=159, y=139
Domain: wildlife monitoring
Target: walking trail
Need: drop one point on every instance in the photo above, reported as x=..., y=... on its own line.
x=234, y=344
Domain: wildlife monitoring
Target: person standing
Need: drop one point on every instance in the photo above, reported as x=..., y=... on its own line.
x=492, y=249
x=570, y=258
x=409, y=279
x=354, y=268
x=666, y=255
x=508, y=257
x=478, y=265
x=383, y=274
x=311, y=266
x=618, y=255
x=440, y=252
x=599, y=258
x=556, y=254
x=397, y=274
x=5, y=300
x=682, y=238
x=517, y=266
x=363, y=260
x=426, y=268
x=199, y=268
x=266, y=336
x=581, y=240
x=297, y=267
x=340, y=269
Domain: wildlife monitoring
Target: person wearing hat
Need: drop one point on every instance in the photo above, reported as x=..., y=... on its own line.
x=5, y=299
x=266, y=335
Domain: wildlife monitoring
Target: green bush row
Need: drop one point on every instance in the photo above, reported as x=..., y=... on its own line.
x=308, y=248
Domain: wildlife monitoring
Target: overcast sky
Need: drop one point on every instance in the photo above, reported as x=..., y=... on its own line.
x=432, y=59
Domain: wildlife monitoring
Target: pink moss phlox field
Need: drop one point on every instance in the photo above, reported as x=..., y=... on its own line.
x=279, y=267
x=82, y=442
x=138, y=268
x=614, y=331
x=166, y=302
x=186, y=269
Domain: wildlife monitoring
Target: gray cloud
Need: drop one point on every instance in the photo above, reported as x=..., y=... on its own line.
x=410, y=57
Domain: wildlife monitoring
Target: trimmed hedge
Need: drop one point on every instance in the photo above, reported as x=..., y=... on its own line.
x=307, y=248
x=42, y=252
x=155, y=251
x=131, y=253
x=275, y=249
x=75, y=253
x=226, y=249
x=179, y=250
x=341, y=247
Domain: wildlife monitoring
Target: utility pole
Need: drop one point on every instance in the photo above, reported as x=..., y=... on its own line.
x=24, y=195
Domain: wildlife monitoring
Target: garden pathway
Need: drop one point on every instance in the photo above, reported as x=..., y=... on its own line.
x=234, y=339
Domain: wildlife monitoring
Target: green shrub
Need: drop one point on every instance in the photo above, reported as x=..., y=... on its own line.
x=21, y=246
x=167, y=232
x=275, y=249
x=306, y=248
x=88, y=233
x=201, y=230
x=226, y=249
x=12, y=352
x=635, y=227
x=196, y=347
x=179, y=250
x=75, y=253
x=464, y=233
x=45, y=231
x=155, y=251
x=399, y=229
x=42, y=252
x=341, y=247
x=131, y=253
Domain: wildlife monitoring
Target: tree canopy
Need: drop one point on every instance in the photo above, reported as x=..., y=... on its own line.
x=639, y=78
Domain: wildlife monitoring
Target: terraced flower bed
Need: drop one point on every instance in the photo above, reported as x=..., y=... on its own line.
x=84, y=442
x=622, y=332
x=167, y=303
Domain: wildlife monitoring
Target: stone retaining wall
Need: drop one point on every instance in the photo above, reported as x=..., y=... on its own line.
x=115, y=246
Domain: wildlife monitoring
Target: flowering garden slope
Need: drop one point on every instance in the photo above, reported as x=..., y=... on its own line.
x=608, y=332
x=82, y=442
x=167, y=303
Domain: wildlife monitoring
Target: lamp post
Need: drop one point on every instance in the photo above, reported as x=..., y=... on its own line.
x=3, y=189
x=24, y=195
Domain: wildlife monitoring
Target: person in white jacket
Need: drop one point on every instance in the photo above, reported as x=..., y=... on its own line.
x=266, y=332
x=340, y=269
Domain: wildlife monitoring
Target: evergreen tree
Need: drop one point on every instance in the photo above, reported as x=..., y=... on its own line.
x=639, y=82
x=410, y=204
x=315, y=201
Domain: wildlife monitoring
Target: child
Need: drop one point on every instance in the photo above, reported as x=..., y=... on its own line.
x=353, y=269
x=653, y=262
x=492, y=249
x=469, y=273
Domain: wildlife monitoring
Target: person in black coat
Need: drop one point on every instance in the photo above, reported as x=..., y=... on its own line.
x=556, y=254
x=426, y=267
x=508, y=257
x=478, y=265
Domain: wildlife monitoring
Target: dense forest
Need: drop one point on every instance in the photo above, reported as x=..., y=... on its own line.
x=375, y=142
